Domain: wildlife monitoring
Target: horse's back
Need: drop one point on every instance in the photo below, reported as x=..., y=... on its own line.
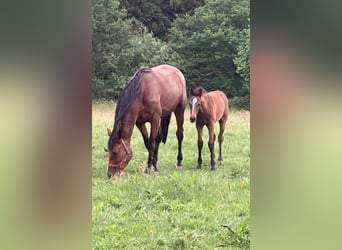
x=164, y=87
x=170, y=78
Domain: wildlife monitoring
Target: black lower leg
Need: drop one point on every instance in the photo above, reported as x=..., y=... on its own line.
x=220, y=153
x=179, y=135
x=220, y=141
x=155, y=155
x=199, y=160
x=212, y=155
x=179, y=155
x=150, y=159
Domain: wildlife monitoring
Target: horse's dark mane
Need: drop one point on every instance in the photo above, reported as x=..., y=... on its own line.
x=131, y=92
x=196, y=91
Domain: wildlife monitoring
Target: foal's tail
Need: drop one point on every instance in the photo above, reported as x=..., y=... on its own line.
x=164, y=127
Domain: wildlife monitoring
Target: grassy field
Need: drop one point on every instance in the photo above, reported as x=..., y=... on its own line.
x=176, y=209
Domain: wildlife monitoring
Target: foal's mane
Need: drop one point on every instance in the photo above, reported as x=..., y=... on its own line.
x=130, y=93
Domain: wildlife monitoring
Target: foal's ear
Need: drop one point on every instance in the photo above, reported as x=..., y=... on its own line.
x=109, y=132
x=200, y=92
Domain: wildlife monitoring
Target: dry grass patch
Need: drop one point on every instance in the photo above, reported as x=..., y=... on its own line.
x=99, y=114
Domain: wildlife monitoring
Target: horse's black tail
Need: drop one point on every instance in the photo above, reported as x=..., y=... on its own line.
x=164, y=127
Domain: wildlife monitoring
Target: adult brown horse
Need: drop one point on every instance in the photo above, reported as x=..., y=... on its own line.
x=206, y=109
x=151, y=96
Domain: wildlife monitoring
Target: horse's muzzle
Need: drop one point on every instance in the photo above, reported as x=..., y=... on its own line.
x=111, y=172
x=192, y=118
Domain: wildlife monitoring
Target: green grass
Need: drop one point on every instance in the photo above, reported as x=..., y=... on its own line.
x=176, y=209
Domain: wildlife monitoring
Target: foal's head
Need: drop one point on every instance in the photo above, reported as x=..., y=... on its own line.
x=195, y=102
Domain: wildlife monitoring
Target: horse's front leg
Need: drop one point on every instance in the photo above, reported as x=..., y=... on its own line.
x=143, y=131
x=155, y=153
x=152, y=145
x=150, y=158
x=199, y=145
x=211, y=144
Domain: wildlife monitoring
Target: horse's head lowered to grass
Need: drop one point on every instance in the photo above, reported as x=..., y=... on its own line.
x=119, y=155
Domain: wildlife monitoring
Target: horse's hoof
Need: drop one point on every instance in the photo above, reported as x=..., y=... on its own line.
x=146, y=171
x=212, y=168
x=179, y=167
x=220, y=162
x=154, y=169
x=199, y=168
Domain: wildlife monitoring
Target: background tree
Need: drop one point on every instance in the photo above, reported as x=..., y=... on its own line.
x=214, y=43
x=109, y=40
x=241, y=58
x=120, y=47
x=158, y=15
x=210, y=43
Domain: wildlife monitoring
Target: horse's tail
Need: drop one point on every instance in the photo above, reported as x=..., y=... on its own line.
x=164, y=127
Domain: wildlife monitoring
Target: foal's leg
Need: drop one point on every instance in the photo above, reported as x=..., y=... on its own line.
x=180, y=135
x=211, y=144
x=199, y=145
x=220, y=138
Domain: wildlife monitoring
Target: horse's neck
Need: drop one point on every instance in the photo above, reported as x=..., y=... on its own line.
x=127, y=124
x=205, y=104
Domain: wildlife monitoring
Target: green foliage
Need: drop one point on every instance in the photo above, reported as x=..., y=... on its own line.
x=209, y=43
x=177, y=209
x=120, y=47
x=110, y=34
x=158, y=15
x=240, y=102
x=212, y=44
x=241, y=59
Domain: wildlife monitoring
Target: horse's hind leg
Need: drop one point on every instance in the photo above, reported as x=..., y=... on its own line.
x=220, y=138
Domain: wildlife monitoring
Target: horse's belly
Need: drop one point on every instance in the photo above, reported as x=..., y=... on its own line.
x=167, y=110
x=168, y=103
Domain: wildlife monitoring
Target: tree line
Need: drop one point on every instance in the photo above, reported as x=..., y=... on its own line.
x=209, y=41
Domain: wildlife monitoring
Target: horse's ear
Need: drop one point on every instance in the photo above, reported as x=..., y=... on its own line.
x=200, y=92
x=192, y=91
x=109, y=132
